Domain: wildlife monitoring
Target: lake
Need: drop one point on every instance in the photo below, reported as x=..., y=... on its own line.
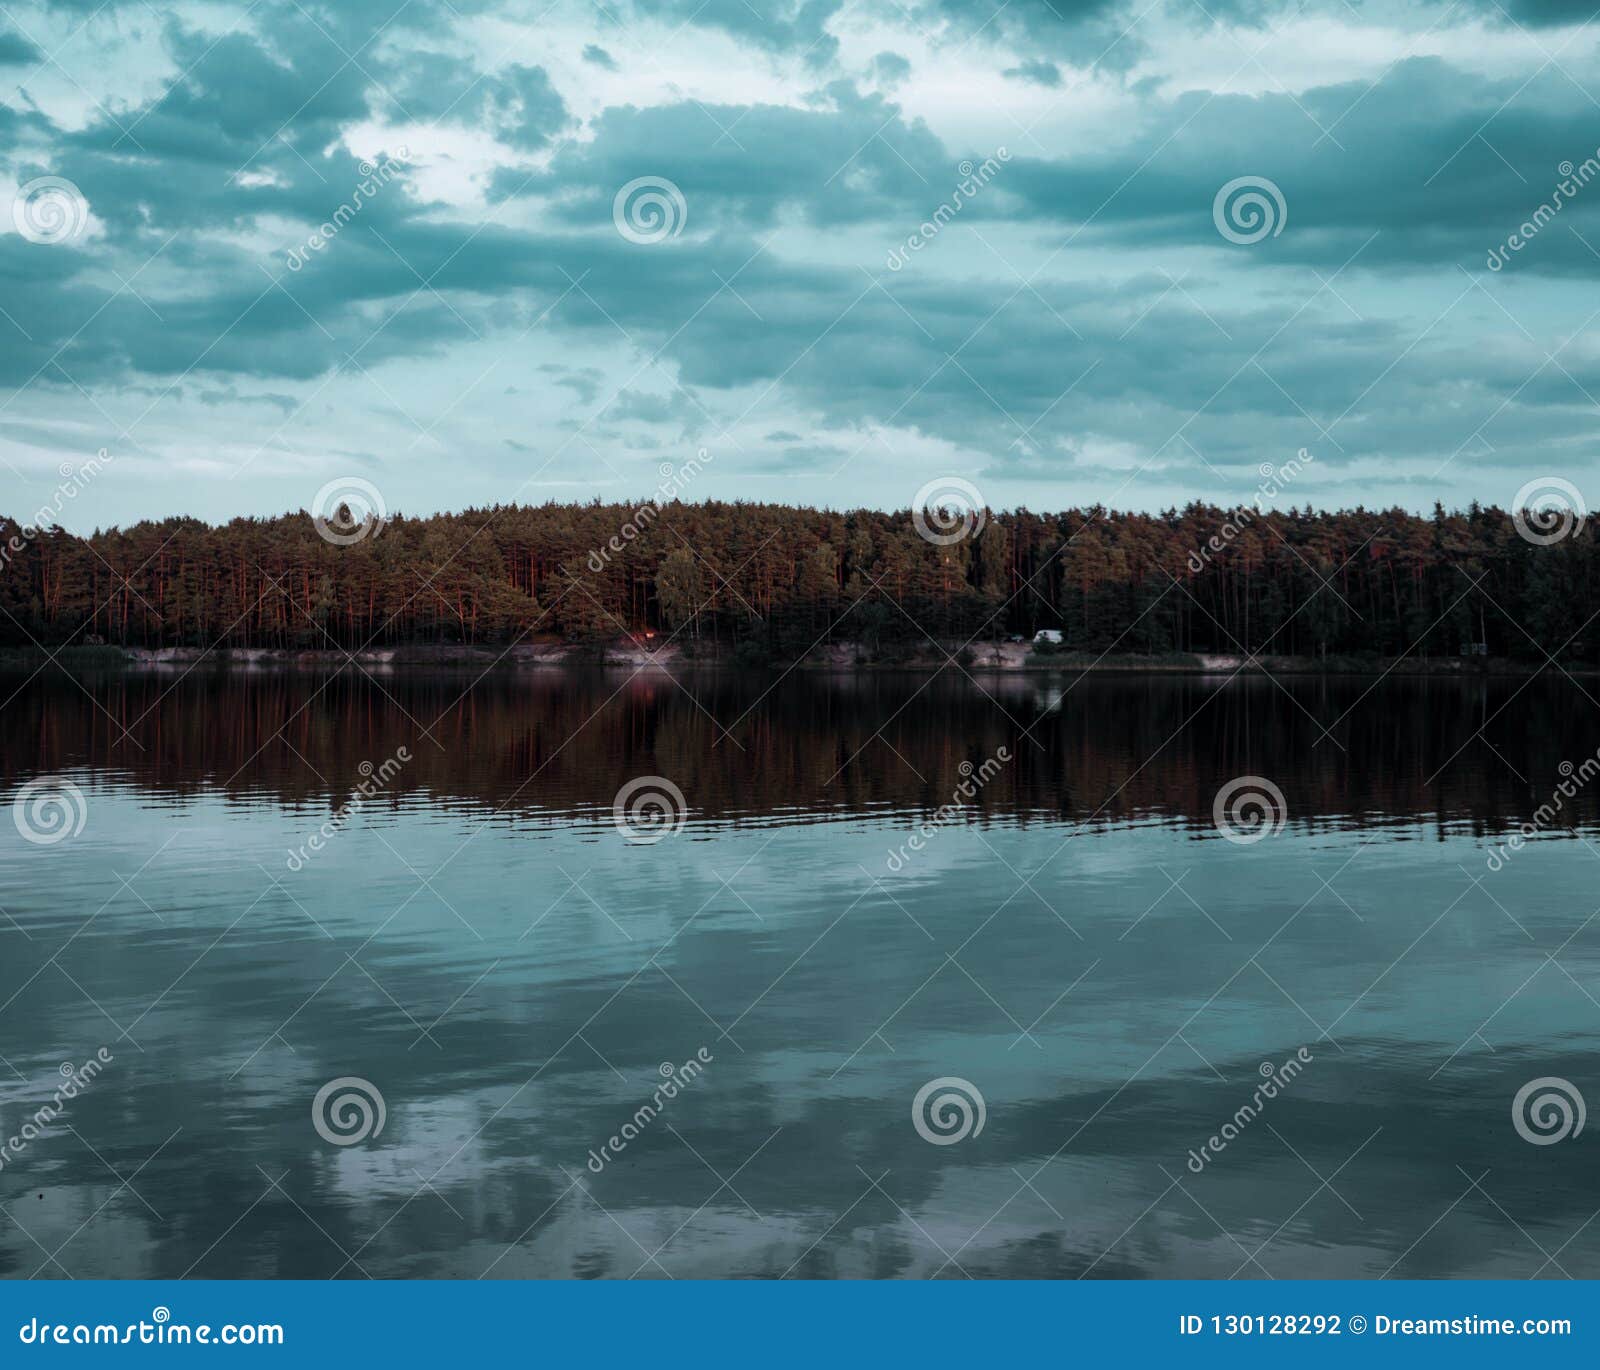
x=863, y=976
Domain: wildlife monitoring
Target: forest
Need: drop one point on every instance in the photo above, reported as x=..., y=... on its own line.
x=770, y=582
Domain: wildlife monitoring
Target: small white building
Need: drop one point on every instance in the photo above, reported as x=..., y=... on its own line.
x=1050, y=635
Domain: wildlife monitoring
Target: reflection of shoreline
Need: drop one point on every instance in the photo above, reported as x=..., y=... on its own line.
x=743, y=746
x=982, y=660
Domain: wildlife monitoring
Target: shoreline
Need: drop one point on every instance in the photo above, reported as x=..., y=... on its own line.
x=988, y=658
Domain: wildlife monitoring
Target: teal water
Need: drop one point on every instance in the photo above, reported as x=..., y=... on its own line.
x=482, y=946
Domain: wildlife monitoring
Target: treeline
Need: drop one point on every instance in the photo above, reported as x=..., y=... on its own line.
x=772, y=581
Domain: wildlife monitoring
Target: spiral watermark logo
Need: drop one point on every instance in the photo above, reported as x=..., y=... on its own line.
x=948, y=1110
x=649, y=210
x=1249, y=808
x=1248, y=209
x=348, y=1110
x=50, y=210
x=49, y=810
x=649, y=808
x=161, y=1314
x=1548, y=509
x=1548, y=1110
x=948, y=509
x=348, y=510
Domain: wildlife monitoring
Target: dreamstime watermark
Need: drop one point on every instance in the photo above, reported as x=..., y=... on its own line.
x=973, y=180
x=1573, y=179
x=374, y=779
x=973, y=779
x=348, y=1110
x=349, y=510
x=948, y=1110
x=649, y=210
x=75, y=1079
x=49, y=810
x=1545, y=815
x=1248, y=208
x=49, y=210
x=1273, y=480
x=674, y=480
x=374, y=179
x=1548, y=1110
x=1249, y=808
x=948, y=509
x=675, y=1079
x=1548, y=509
x=74, y=480
x=1274, y=1080
x=648, y=808
x=160, y=1330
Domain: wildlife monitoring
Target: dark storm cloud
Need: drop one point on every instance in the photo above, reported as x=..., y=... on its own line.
x=1421, y=173
x=1351, y=161
x=890, y=68
x=778, y=25
x=517, y=102
x=16, y=51
x=1541, y=13
x=234, y=96
x=1100, y=32
x=527, y=107
x=1040, y=73
x=920, y=352
x=854, y=158
x=585, y=384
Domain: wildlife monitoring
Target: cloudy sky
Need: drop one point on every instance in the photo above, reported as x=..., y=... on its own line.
x=874, y=243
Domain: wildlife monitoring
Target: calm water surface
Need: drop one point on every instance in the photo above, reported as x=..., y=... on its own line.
x=1079, y=945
